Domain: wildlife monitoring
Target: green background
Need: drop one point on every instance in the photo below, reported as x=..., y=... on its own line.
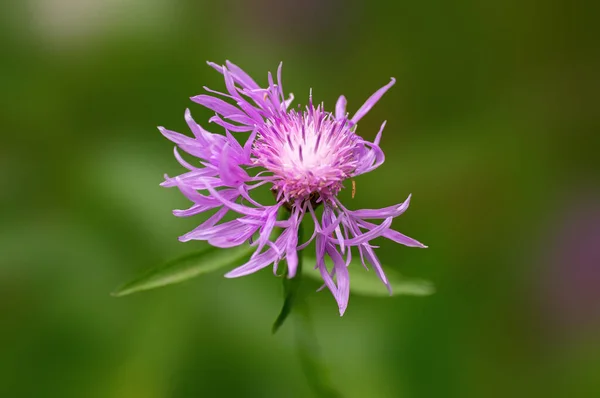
x=492, y=126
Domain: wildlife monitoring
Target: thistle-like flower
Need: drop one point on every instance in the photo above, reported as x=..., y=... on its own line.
x=304, y=156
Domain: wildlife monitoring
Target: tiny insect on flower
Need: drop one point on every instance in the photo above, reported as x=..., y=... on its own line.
x=304, y=156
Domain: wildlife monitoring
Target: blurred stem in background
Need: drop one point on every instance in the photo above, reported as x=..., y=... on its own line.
x=308, y=350
x=307, y=346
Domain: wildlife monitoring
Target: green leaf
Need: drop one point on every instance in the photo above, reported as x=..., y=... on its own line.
x=290, y=289
x=366, y=283
x=186, y=267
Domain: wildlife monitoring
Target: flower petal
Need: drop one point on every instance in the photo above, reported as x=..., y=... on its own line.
x=379, y=133
x=366, y=107
x=291, y=253
x=202, y=136
x=234, y=206
x=340, y=108
x=242, y=77
x=342, y=294
x=375, y=232
x=370, y=256
x=254, y=264
x=210, y=222
x=320, y=251
x=402, y=239
x=233, y=127
x=391, y=211
x=260, y=261
x=216, y=104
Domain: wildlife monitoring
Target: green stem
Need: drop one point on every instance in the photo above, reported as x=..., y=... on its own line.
x=309, y=353
x=307, y=346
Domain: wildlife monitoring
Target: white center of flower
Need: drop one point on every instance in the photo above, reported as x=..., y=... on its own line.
x=298, y=155
x=310, y=152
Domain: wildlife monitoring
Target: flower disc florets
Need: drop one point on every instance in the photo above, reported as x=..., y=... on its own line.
x=310, y=153
x=304, y=156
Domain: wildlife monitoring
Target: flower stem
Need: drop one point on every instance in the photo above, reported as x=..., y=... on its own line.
x=309, y=352
x=307, y=346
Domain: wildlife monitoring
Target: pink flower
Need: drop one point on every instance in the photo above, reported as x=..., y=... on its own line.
x=304, y=156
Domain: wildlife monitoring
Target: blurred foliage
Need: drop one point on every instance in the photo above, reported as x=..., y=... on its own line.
x=493, y=127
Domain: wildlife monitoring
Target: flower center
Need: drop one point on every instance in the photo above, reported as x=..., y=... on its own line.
x=310, y=152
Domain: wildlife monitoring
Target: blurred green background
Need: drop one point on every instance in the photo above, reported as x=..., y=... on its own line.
x=493, y=127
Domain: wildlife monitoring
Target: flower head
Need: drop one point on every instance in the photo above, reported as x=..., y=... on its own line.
x=304, y=156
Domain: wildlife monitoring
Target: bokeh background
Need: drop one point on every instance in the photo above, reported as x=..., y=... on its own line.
x=493, y=127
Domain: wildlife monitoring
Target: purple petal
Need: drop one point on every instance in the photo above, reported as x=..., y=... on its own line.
x=396, y=236
x=242, y=77
x=182, y=160
x=288, y=101
x=233, y=238
x=254, y=264
x=203, y=136
x=370, y=235
x=260, y=261
x=226, y=230
x=242, y=119
x=340, y=108
x=379, y=133
x=320, y=248
x=273, y=95
x=402, y=239
x=238, y=129
x=366, y=107
x=230, y=85
x=234, y=206
x=291, y=256
x=229, y=234
x=231, y=174
x=252, y=115
x=196, y=179
x=195, y=209
x=370, y=160
x=291, y=253
x=216, y=104
x=267, y=227
x=342, y=293
x=329, y=223
x=279, y=83
x=332, y=223
x=234, y=144
x=372, y=258
x=391, y=211
x=189, y=178
x=249, y=143
x=177, y=138
x=211, y=222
